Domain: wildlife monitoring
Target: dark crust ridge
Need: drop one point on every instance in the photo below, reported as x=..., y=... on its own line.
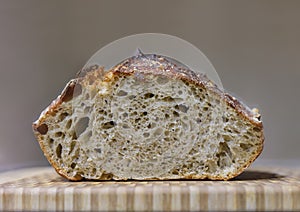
x=72, y=90
x=139, y=65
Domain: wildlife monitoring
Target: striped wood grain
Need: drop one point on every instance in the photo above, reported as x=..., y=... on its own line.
x=256, y=189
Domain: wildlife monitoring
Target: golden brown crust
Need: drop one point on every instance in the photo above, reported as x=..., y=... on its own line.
x=49, y=111
x=159, y=66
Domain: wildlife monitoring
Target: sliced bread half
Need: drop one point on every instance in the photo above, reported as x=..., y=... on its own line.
x=148, y=118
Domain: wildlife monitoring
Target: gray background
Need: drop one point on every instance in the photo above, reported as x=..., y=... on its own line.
x=254, y=46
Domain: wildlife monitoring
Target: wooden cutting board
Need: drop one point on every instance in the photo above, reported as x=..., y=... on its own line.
x=256, y=189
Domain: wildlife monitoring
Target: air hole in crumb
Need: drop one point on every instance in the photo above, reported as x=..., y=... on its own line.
x=151, y=125
x=62, y=116
x=73, y=165
x=168, y=99
x=236, y=131
x=137, y=120
x=182, y=108
x=211, y=166
x=74, y=135
x=224, y=148
x=226, y=138
x=148, y=95
x=158, y=132
x=125, y=126
x=98, y=150
x=249, y=133
x=87, y=96
x=108, y=125
x=175, y=172
x=81, y=125
x=58, y=134
x=69, y=123
x=245, y=136
x=58, y=150
x=176, y=114
x=225, y=119
x=42, y=129
x=51, y=142
x=245, y=147
x=87, y=109
x=122, y=93
x=72, y=146
x=146, y=135
x=256, y=129
x=131, y=97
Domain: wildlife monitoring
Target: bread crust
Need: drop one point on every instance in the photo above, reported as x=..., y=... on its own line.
x=159, y=65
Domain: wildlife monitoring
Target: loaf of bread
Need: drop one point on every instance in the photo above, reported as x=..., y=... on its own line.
x=148, y=118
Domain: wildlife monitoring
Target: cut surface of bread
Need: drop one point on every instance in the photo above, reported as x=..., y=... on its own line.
x=148, y=118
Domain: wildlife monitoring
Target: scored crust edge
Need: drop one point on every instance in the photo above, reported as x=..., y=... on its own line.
x=94, y=72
